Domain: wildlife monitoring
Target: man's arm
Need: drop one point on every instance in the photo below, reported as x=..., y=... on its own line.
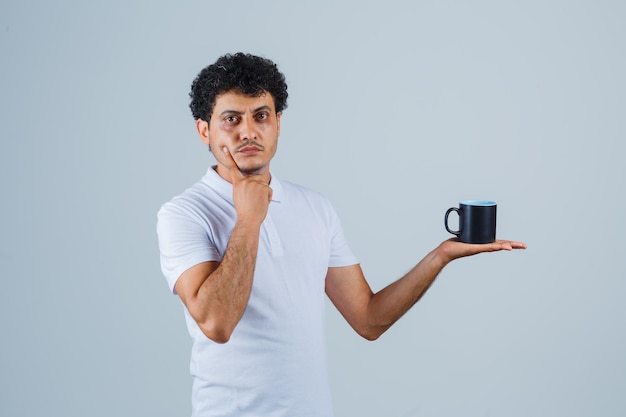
x=216, y=294
x=369, y=314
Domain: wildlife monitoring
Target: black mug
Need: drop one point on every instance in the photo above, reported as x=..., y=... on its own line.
x=477, y=221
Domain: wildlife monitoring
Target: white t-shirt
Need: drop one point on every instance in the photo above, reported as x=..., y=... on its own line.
x=275, y=361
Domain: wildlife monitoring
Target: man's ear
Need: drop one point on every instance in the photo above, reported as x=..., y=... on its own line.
x=278, y=122
x=202, y=126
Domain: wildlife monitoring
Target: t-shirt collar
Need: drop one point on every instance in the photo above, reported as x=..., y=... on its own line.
x=225, y=189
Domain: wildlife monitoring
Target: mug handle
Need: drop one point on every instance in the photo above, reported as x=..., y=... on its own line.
x=450, y=210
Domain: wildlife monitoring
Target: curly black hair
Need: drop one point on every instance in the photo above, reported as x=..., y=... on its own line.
x=249, y=74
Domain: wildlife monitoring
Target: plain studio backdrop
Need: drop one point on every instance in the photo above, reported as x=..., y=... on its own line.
x=397, y=110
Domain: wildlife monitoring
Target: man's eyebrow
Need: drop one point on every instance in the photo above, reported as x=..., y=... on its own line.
x=237, y=112
x=225, y=112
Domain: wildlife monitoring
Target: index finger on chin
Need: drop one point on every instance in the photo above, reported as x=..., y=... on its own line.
x=235, y=172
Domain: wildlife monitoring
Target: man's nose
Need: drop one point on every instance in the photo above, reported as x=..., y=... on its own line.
x=247, y=129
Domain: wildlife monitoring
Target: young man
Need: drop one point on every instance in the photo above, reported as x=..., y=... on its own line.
x=251, y=257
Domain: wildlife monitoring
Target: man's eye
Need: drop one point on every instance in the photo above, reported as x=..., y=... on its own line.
x=231, y=119
x=261, y=116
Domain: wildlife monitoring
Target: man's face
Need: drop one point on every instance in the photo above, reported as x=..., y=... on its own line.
x=248, y=126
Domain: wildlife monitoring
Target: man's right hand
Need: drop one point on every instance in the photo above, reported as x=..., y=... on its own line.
x=216, y=294
x=251, y=193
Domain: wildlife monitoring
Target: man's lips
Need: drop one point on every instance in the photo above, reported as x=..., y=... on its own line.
x=249, y=149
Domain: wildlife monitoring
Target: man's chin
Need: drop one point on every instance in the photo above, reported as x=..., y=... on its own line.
x=252, y=169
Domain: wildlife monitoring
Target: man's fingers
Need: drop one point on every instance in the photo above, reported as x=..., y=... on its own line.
x=509, y=244
x=518, y=245
x=235, y=172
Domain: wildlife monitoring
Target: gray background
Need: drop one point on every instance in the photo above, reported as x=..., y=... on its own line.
x=397, y=111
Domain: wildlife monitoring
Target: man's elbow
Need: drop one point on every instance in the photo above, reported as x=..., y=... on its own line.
x=370, y=333
x=215, y=331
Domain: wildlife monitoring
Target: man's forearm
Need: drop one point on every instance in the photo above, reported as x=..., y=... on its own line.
x=389, y=304
x=224, y=294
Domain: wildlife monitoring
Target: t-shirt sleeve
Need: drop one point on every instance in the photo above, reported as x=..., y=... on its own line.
x=183, y=243
x=340, y=252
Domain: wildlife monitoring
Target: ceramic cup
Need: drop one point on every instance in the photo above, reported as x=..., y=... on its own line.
x=477, y=221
